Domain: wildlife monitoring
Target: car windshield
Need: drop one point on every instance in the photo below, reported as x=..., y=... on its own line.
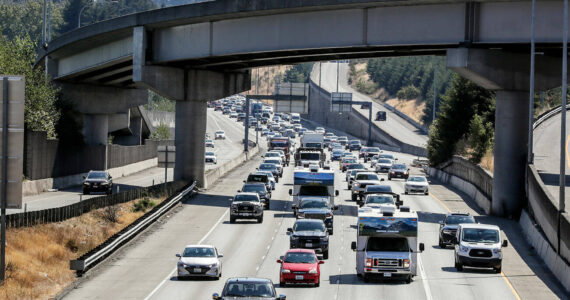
x=253, y=188
x=257, y=178
x=354, y=142
x=210, y=154
x=272, y=161
x=309, y=226
x=337, y=151
x=199, y=252
x=219, y=132
x=249, y=289
x=387, y=244
x=300, y=258
x=366, y=177
x=356, y=166
x=380, y=199
x=314, y=190
x=267, y=167
x=313, y=204
x=310, y=156
x=313, y=145
x=400, y=166
x=350, y=160
x=374, y=150
x=242, y=198
x=269, y=174
x=417, y=179
x=384, y=161
x=272, y=154
x=279, y=144
x=477, y=235
x=452, y=220
x=96, y=175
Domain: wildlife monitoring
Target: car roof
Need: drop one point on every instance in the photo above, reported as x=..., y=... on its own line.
x=459, y=214
x=259, y=173
x=479, y=226
x=254, y=183
x=300, y=250
x=367, y=173
x=249, y=279
x=200, y=246
x=309, y=221
x=247, y=194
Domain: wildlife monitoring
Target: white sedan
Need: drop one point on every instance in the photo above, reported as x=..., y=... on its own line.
x=199, y=261
x=209, y=144
x=211, y=157
x=416, y=184
x=220, y=135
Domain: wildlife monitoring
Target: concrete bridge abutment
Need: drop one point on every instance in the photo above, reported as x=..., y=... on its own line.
x=508, y=74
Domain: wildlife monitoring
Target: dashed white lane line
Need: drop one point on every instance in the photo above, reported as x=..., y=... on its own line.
x=424, y=278
x=174, y=270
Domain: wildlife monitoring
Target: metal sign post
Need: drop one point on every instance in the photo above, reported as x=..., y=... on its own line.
x=166, y=159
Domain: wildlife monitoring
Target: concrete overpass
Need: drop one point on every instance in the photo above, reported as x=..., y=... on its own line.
x=204, y=51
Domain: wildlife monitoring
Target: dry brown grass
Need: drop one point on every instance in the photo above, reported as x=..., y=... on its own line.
x=488, y=161
x=413, y=108
x=38, y=257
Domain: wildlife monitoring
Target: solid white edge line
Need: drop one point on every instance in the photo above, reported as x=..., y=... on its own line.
x=172, y=272
x=424, y=279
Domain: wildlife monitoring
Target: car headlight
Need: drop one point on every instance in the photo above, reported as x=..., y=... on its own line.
x=313, y=271
x=392, y=172
x=447, y=231
x=324, y=239
x=497, y=251
x=369, y=262
x=294, y=238
x=87, y=183
x=181, y=264
x=356, y=184
x=104, y=183
x=406, y=263
x=213, y=265
x=285, y=271
x=301, y=215
x=463, y=249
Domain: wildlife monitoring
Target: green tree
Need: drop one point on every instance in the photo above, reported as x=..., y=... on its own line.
x=17, y=57
x=157, y=102
x=25, y=18
x=460, y=104
x=298, y=73
x=161, y=132
x=408, y=92
x=480, y=138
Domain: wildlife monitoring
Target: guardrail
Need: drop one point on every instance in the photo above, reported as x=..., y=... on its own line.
x=391, y=108
x=96, y=255
x=547, y=115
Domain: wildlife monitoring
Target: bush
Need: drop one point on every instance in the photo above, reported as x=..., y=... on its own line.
x=143, y=204
x=408, y=92
x=162, y=132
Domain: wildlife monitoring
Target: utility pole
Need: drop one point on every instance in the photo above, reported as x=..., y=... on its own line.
x=531, y=88
x=337, y=72
x=434, y=97
x=44, y=24
x=562, y=180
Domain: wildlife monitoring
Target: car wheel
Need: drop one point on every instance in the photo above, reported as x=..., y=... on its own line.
x=498, y=270
x=406, y=192
x=441, y=244
x=389, y=178
x=85, y=192
x=281, y=283
x=232, y=220
x=348, y=187
x=353, y=197
x=109, y=192
x=458, y=266
x=426, y=193
x=326, y=254
x=268, y=205
x=365, y=278
x=331, y=232
x=318, y=283
x=276, y=179
x=260, y=219
x=409, y=279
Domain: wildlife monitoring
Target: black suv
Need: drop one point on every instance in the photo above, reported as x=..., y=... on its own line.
x=448, y=227
x=248, y=288
x=398, y=171
x=316, y=208
x=310, y=234
x=354, y=145
x=97, y=181
x=246, y=206
x=260, y=189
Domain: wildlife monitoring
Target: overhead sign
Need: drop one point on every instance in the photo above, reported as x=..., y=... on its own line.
x=288, y=98
x=341, y=97
x=166, y=156
x=12, y=99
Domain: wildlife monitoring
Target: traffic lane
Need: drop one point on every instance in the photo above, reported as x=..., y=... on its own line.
x=149, y=261
x=394, y=125
x=245, y=245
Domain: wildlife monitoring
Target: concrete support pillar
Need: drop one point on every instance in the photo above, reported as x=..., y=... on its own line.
x=190, y=135
x=95, y=129
x=136, y=129
x=511, y=146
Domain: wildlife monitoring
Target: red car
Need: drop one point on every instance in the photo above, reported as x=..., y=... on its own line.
x=300, y=266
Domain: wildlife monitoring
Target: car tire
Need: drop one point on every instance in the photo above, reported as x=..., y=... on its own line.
x=498, y=270
x=268, y=205
x=232, y=220
x=458, y=266
x=441, y=244
x=86, y=192
x=348, y=187
x=318, y=283
x=365, y=278
x=109, y=191
x=354, y=197
x=276, y=179
x=409, y=279
x=389, y=178
x=281, y=283
x=426, y=193
x=331, y=232
x=406, y=192
x=326, y=254
x=260, y=219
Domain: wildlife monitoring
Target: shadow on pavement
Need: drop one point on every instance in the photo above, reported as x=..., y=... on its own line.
x=429, y=217
x=553, y=179
x=352, y=279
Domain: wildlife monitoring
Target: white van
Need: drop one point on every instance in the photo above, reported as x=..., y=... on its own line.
x=478, y=245
x=295, y=118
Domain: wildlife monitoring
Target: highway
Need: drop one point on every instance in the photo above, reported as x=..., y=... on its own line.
x=145, y=269
x=394, y=124
x=225, y=150
x=547, y=155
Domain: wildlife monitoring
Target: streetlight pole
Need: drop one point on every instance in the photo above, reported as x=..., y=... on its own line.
x=562, y=180
x=80, y=12
x=531, y=88
x=337, y=71
x=434, y=97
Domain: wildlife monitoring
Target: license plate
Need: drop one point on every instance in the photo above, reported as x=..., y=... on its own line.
x=387, y=274
x=246, y=214
x=309, y=245
x=298, y=277
x=197, y=270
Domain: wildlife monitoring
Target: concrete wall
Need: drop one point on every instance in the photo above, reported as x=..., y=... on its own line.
x=353, y=123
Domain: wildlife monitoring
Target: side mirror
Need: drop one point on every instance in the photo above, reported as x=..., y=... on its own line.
x=289, y=229
x=239, y=191
x=360, y=204
x=335, y=207
x=215, y=296
x=110, y=177
x=381, y=179
x=220, y=255
x=440, y=222
x=505, y=243
x=243, y=181
x=178, y=255
x=353, y=246
x=84, y=177
x=294, y=206
x=290, y=192
x=408, y=170
x=396, y=158
x=399, y=203
x=336, y=193
x=422, y=247
x=279, y=261
x=321, y=262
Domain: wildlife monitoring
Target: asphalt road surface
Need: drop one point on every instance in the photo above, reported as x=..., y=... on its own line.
x=225, y=150
x=145, y=269
x=394, y=124
x=547, y=155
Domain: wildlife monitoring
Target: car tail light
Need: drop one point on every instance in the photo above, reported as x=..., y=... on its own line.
x=369, y=262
